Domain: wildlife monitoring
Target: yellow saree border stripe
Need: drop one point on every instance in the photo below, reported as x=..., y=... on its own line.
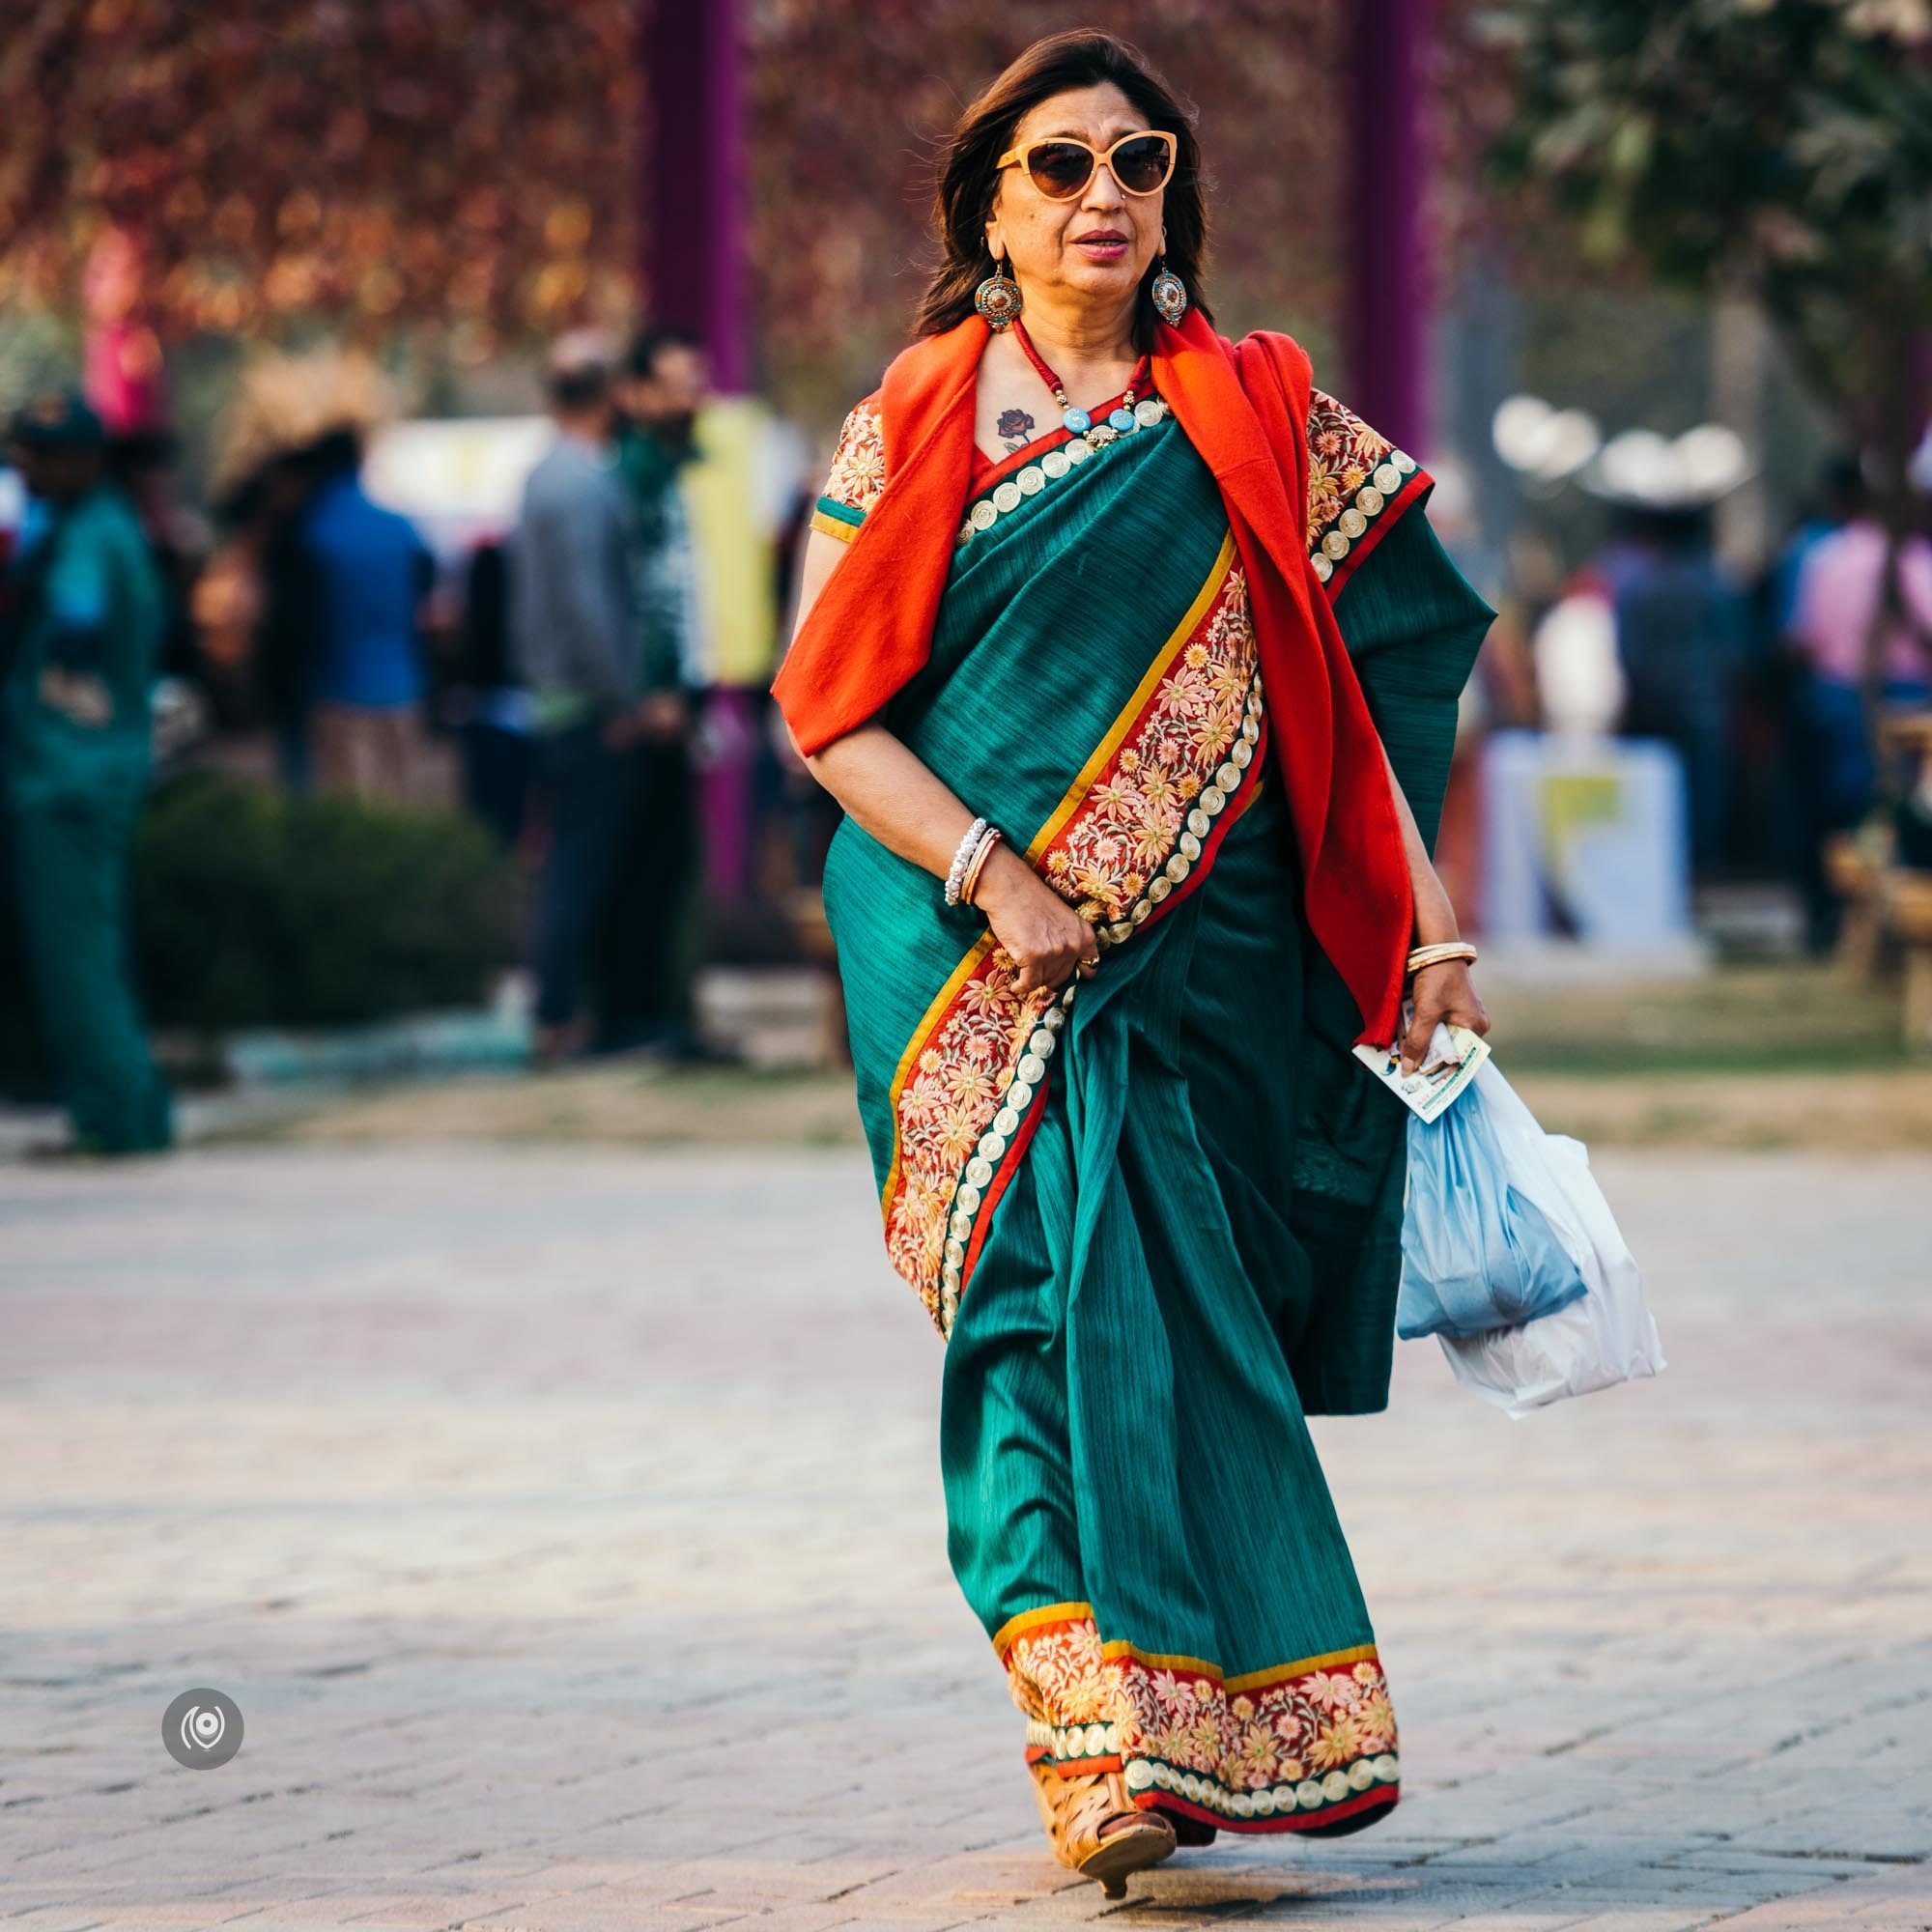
x=1070, y=803
x=1120, y=1646
x=922, y=1032
x=834, y=527
x=1047, y=1613
x=1123, y=724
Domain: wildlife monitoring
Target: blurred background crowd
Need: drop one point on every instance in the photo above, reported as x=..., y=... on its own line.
x=415, y=410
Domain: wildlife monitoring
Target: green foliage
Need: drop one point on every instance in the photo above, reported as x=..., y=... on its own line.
x=1781, y=147
x=254, y=909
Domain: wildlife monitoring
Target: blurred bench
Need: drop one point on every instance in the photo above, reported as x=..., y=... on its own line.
x=1889, y=905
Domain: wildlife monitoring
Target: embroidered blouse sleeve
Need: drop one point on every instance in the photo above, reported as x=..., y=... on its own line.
x=1359, y=486
x=857, y=474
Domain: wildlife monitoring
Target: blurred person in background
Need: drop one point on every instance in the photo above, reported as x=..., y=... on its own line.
x=1681, y=632
x=142, y=465
x=349, y=609
x=1838, y=499
x=1857, y=599
x=280, y=587
x=574, y=636
x=489, y=707
x=651, y=939
x=1790, y=792
x=83, y=641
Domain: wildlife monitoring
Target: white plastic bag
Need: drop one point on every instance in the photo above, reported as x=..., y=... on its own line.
x=1607, y=1337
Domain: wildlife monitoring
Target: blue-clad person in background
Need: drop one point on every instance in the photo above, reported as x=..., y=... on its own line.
x=83, y=639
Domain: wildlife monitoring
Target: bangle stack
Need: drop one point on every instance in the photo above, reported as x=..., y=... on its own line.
x=1440, y=953
x=964, y=873
x=976, y=865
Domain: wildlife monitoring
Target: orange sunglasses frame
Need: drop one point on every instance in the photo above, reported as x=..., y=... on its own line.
x=1016, y=156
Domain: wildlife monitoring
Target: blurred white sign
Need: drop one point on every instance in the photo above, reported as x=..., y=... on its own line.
x=1585, y=839
x=457, y=480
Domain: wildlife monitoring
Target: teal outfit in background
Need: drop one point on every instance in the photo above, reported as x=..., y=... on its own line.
x=75, y=768
x=1157, y=1214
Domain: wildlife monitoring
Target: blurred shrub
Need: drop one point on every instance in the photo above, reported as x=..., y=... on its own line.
x=255, y=909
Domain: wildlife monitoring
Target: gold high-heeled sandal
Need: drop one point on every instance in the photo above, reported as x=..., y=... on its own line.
x=1075, y=1809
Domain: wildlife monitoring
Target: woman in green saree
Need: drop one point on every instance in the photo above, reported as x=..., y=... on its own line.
x=1165, y=694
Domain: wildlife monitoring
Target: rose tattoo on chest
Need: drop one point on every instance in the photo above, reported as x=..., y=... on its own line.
x=1014, y=428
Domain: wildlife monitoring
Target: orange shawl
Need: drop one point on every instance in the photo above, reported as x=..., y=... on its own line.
x=1244, y=408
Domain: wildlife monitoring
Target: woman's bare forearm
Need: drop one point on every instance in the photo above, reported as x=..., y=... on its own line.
x=1434, y=915
x=893, y=795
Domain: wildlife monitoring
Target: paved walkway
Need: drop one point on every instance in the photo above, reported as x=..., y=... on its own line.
x=567, y=1526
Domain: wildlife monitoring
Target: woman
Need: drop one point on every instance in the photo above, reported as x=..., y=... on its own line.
x=1105, y=624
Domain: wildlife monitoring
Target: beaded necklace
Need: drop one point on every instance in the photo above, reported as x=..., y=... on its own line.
x=1123, y=418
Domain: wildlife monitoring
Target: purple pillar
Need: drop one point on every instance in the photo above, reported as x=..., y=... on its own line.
x=693, y=259
x=1387, y=324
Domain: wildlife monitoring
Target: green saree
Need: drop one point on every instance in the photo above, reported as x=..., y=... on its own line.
x=1155, y=1215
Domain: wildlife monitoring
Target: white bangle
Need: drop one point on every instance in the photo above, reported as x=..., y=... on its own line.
x=961, y=858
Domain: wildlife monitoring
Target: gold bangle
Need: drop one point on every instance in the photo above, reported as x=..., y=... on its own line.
x=1440, y=955
x=970, y=884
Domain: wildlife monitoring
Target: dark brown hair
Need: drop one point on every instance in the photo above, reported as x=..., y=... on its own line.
x=968, y=180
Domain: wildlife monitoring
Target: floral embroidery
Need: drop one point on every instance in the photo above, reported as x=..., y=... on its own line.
x=1136, y=812
x=1354, y=475
x=1271, y=1751
x=858, y=472
x=1125, y=838
x=950, y=1095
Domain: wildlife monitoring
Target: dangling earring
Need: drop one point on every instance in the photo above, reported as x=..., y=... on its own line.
x=998, y=299
x=1168, y=292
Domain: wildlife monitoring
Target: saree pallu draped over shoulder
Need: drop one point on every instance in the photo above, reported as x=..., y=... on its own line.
x=1154, y=1213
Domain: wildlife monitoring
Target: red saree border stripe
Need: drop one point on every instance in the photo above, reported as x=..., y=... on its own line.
x=1415, y=486
x=1010, y=1166
x=1076, y=1766
x=1311, y=1821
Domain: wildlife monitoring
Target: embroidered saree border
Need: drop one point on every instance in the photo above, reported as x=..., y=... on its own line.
x=1359, y=484
x=1135, y=827
x=1292, y=1748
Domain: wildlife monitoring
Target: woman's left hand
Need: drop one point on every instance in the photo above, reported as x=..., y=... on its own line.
x=1443, y=995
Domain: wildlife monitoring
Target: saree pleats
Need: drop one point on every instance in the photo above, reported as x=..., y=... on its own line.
x=1136, y=1510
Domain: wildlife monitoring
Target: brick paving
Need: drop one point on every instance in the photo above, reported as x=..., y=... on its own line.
x=567, y=1525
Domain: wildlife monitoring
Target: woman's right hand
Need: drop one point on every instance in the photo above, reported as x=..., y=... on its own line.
x=1046, y=939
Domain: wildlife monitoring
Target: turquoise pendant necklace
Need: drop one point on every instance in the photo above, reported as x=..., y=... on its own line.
x=1124, y=417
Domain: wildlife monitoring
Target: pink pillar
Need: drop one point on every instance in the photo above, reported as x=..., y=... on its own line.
x=1386, y=323
x=122, y=371
x=692, y=267
x=692, y=262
